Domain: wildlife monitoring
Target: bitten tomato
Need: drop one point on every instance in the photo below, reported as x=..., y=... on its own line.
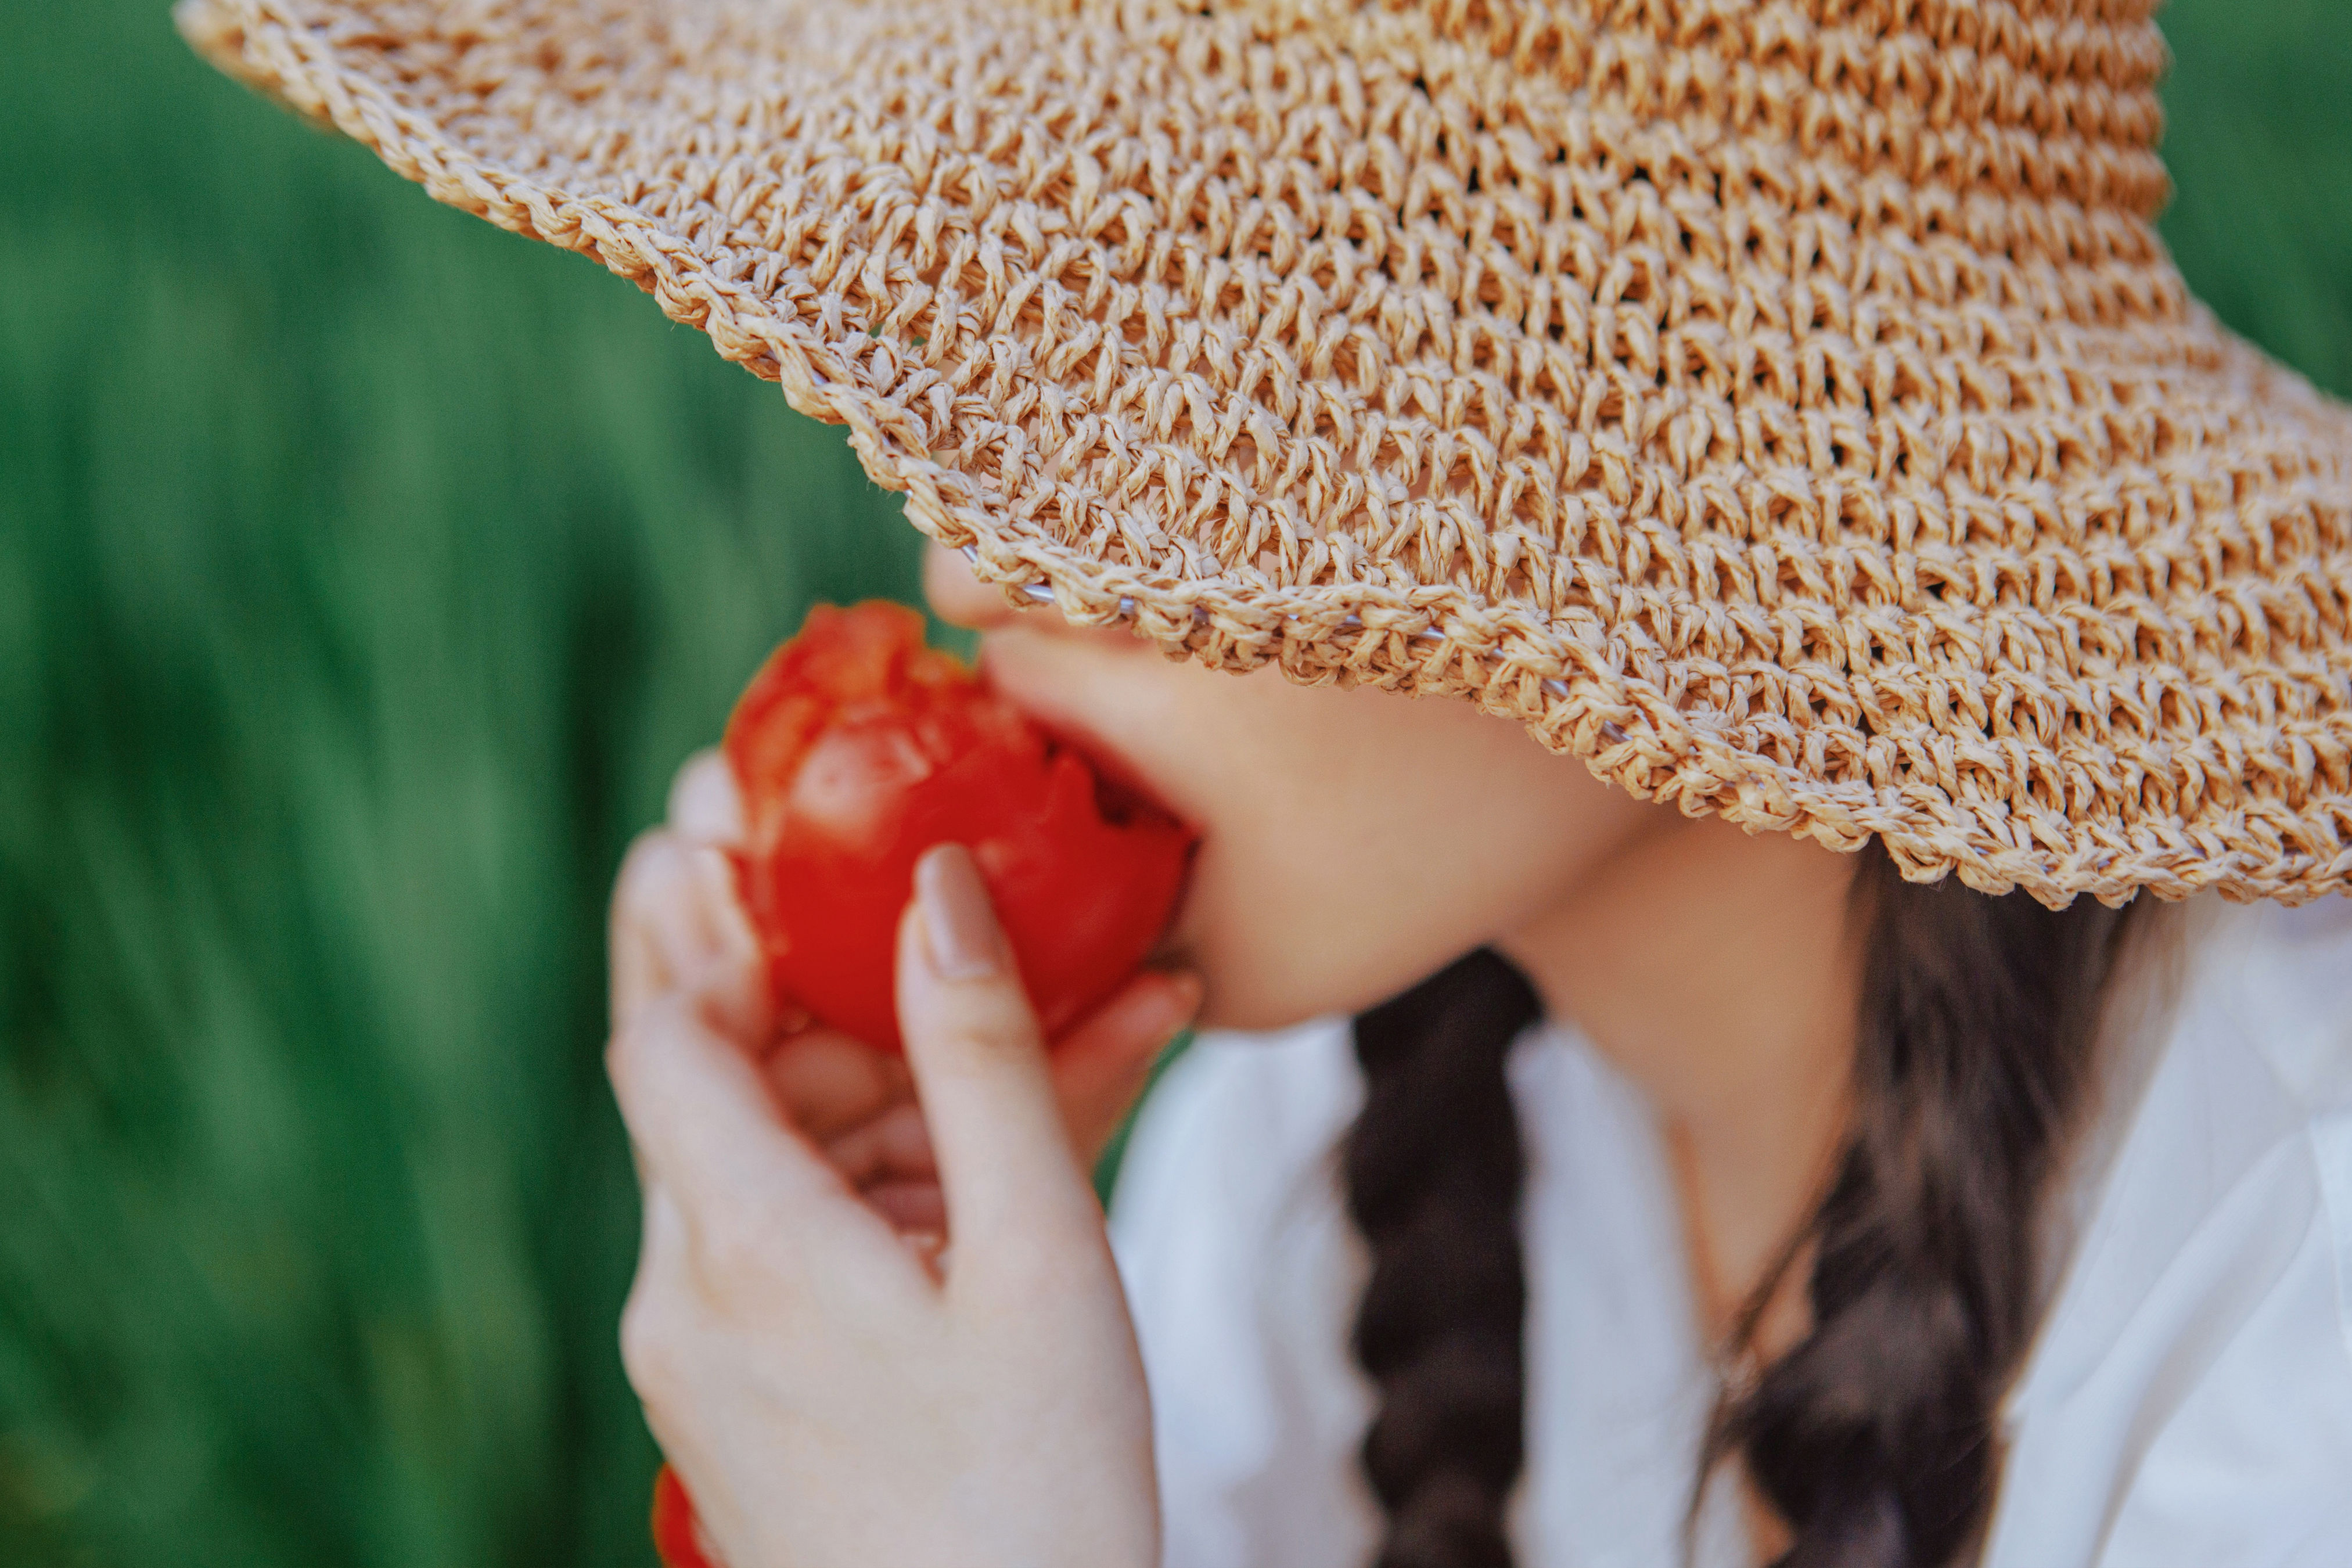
x=677, y=1539
x=855, y=749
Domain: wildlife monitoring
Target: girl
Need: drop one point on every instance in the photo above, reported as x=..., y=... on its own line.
x=1727, y=1090
x=1891, y=1199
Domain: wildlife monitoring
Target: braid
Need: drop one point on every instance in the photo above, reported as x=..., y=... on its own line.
x=1434, y=1174
x=1875, y=1437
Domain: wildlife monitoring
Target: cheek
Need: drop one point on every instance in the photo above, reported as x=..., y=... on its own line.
x=1399, y=834
x=1352, y=841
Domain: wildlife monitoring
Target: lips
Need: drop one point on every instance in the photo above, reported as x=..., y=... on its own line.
x=1123, y=788
x=1015, y=677
x=1123, y=797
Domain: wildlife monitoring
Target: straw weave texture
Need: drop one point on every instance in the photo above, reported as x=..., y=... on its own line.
x=1786, y=407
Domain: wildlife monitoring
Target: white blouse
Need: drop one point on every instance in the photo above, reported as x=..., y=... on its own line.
x=2188, y=1400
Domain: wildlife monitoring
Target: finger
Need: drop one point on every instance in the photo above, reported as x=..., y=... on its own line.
x=647, y=896
x=913, y=1208
x=704, y=803
x=677, y=923
x=1005, y=1161
x=829, y=1084
x=929, y=1248
x=650, y=1325
x=706, y=815
x=719, y=954
x=1101, y=1066
x=700, y=1116
x=661, y=1246
x=893, y=1147
x=661, y=930
x=741, y=1214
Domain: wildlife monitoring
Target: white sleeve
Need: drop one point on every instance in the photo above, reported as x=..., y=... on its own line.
x=2190, y=1399
x=2254, y=1464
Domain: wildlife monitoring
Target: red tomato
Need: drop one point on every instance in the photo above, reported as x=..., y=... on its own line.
x=676, y=1537
x=856, y=748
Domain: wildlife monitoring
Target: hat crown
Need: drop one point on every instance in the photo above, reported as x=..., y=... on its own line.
x=2039, y=99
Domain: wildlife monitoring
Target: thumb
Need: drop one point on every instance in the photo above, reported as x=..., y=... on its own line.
x=1010, y=1179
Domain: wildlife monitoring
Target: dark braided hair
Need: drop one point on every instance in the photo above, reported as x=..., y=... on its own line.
x=1875, y=1437
x=1434, y=1172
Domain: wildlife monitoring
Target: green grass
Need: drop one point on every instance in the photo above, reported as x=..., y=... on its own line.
x=363, y=572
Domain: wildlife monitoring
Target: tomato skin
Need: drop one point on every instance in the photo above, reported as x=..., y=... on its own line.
x=677, y=1538
x=856, y=748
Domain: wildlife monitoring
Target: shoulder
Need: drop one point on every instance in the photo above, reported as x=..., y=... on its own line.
x=2189, y=1398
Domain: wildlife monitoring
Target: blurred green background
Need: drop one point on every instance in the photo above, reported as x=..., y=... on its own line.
x=364, y=574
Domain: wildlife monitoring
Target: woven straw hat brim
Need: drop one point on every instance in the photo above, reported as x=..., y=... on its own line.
x=1788, y=409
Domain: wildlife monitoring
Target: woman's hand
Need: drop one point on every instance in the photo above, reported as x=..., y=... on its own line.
x=675, y=922
x=830, y=1393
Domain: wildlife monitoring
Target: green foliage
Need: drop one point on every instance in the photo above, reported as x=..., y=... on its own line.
x=2259, y=146
x=364, y=574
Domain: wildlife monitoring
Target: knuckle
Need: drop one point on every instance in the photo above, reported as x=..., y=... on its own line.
x=627, y=1052
x=690, y=777
x=634, y=1052
x=644, y=850
x=704, y=802
x=733, y=1254
x=621, y=1050
x=649, y=876
x=995, y=1024
x=650, y=1346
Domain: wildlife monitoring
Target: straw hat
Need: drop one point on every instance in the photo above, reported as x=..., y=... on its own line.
x=1786, y=406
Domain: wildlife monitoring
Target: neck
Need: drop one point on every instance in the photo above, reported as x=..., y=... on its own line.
x=1719, y=973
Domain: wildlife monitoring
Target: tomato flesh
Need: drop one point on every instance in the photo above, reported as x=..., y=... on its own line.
x=855, y=749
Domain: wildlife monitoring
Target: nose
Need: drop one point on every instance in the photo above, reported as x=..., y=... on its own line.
x=957, y=596
x=962, y=599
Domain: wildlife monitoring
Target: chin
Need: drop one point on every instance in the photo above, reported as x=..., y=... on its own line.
x=1251, y=996
x=1240, y=988
x=1247, y=1010
x=1258, y=974
x=1228, y=1004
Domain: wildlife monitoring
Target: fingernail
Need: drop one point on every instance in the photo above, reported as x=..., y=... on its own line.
x=1154, y=1014
x=1189, y=993
x=958, y=924
x=704, y=803
x=1172, y=1007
